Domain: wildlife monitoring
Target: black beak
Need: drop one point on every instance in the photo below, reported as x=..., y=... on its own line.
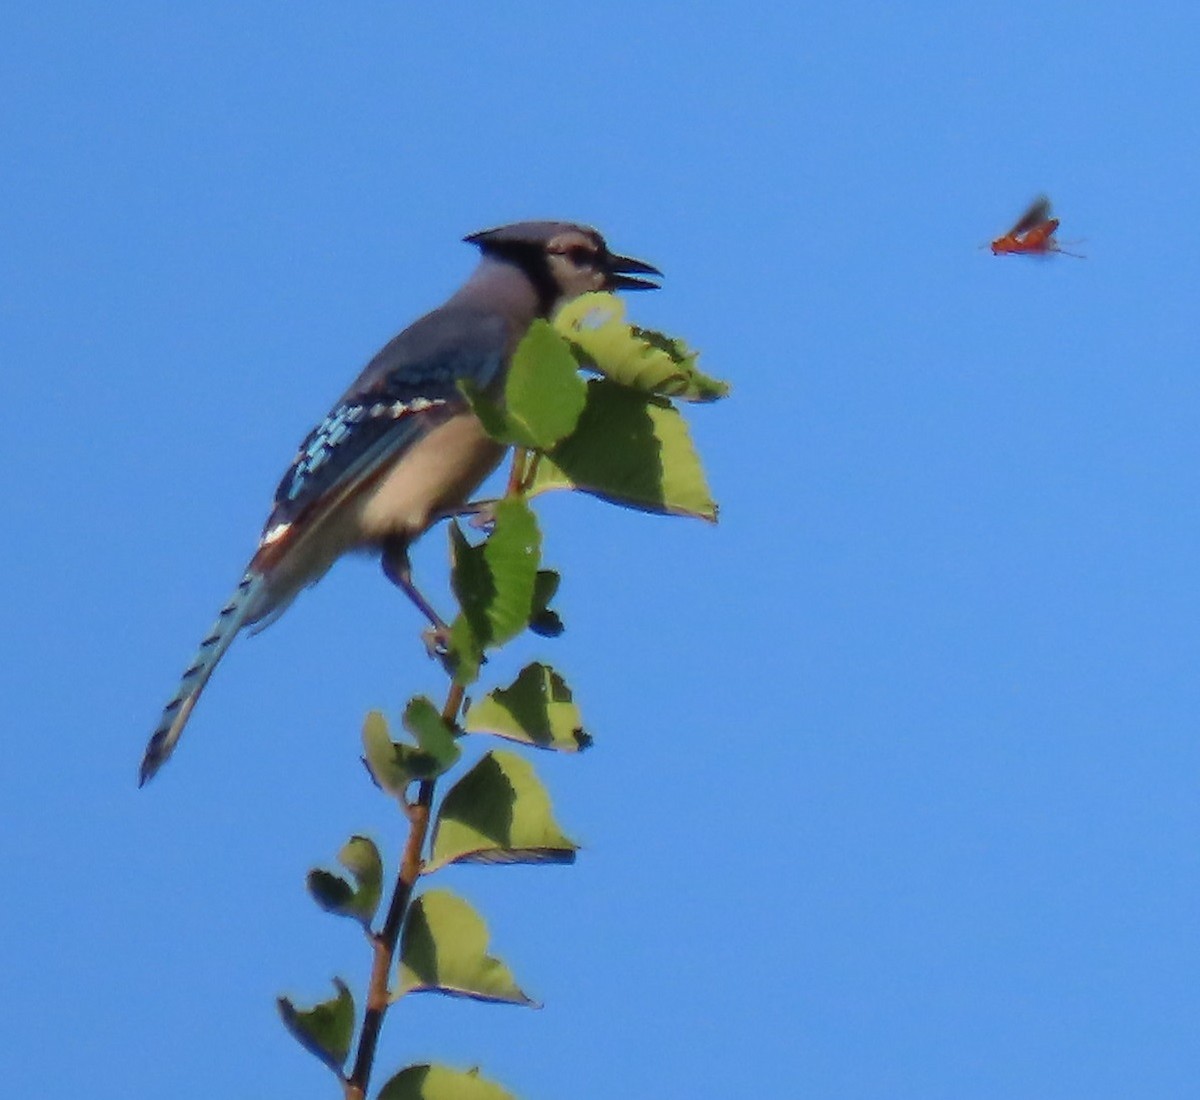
x=620, y=277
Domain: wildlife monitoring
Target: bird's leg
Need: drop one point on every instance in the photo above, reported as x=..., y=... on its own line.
x=398, y=570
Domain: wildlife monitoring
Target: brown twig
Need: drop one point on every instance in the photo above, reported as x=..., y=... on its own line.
x=516, y=475
x=384, y=941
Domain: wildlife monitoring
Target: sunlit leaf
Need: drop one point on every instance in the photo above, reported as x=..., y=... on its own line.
x=543, y=393
x=324, y=1030
x=431, y=1082
x=443, y=949
x=498, y=812
x=639, y=358
x=379, y=752
x=334, y=894
x=631, y=449
x=536, y=709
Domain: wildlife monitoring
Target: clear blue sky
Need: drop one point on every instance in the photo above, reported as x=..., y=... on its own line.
x=895, y=783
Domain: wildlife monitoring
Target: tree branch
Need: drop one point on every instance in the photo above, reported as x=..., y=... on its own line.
x=384, y=941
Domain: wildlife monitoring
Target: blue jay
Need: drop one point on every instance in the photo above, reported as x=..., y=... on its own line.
x=401, y=447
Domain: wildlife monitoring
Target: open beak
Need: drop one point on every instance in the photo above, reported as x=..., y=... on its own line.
x=621, y=274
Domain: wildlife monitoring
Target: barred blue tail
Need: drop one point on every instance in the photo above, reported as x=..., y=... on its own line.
x=241, y=608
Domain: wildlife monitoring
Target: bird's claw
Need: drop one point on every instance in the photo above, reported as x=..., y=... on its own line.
x=437, y=641
x=484, y=518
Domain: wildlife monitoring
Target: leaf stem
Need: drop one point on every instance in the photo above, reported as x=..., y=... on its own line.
x=516, y=475
x=529, y=472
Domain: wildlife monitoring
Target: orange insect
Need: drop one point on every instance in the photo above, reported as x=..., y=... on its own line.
x=1033, y=235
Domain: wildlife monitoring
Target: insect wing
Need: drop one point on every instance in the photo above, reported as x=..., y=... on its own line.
x=1037, y=214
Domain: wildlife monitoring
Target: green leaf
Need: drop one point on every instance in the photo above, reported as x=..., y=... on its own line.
x=636, y=357
x=545, y=621
x=425, y=722
x=535, y=709
x=498, y=812
x=325, y=1029
x=379, y=752
x=335, y=895
x=444, y=950
x=428, y=1082
x=465, y=651
x=494, y=583
x=630, y=449
x=491, y=414
x=543, y=393
x=394, y=764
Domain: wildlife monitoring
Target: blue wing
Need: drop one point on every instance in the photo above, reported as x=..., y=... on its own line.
x=405, y=391
x=410, y=387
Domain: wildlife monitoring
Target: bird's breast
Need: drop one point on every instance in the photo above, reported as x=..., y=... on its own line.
x=436, y=474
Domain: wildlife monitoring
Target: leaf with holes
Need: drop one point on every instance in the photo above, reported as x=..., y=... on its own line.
x=636, y=357
x=498, y=812
x=536, y=709
x=444, y=950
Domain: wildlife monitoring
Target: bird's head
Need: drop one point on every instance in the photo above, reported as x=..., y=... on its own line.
x=563, y=260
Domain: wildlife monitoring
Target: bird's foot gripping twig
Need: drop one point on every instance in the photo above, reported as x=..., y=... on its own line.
x=484, y=516
x=481, y=514
x=437, y=641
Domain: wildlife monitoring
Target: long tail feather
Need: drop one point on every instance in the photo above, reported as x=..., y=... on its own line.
x=242, y=605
